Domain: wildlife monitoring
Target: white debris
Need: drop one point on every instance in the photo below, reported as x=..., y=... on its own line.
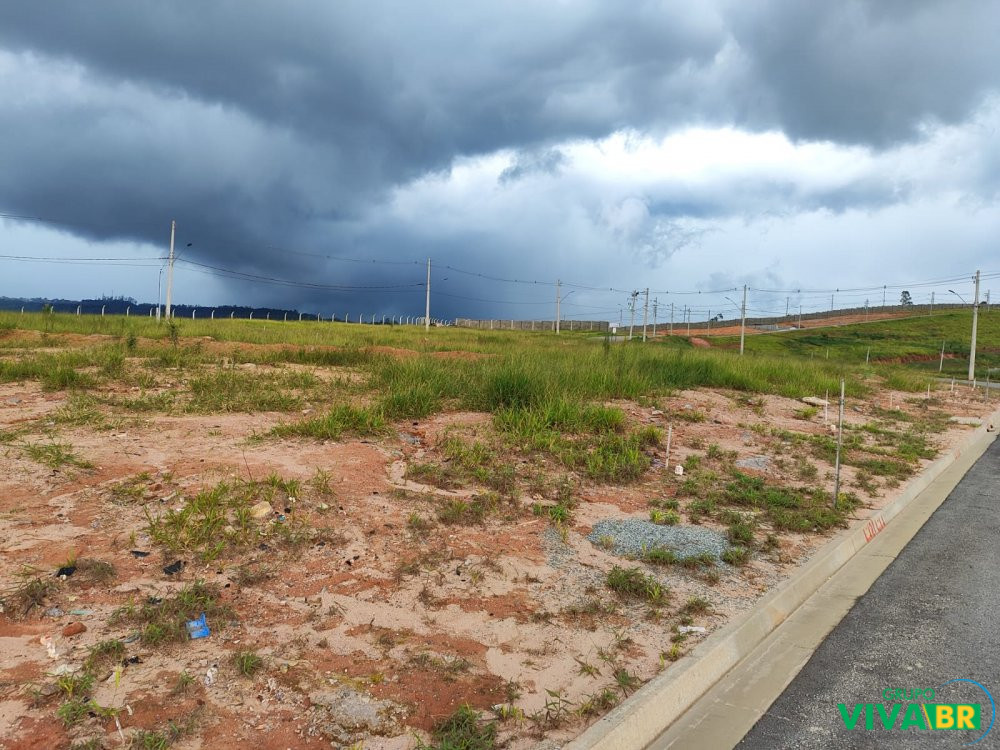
x=814, y=401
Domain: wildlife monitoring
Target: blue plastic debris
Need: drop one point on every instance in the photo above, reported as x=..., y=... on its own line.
x=198, y=628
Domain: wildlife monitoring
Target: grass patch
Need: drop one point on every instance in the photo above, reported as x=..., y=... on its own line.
x=632, y=583
x=55, y=455
x=463, y=730
x=470, y=512
x=248, y=663
x=788, y=508
x=222, y=519
x=93, y=572
x=163, y=620
x=664, y=517
x=232, y=390
x=736, y=556
x=103, y=655
x=340, y=420
x=31, y=593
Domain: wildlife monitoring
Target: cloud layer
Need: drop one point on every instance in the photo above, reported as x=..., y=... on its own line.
x=537, y=140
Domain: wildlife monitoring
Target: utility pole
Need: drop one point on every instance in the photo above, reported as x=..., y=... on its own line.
x=645, y=315
x=671, y=318
x=655, y=301
x=743, y=319
x=170, y=269
x=831, y=303
x=427, y=308
x=787, y=300
x=631, y=306
x=800, y=315
x=557, y=306
x=975, y=324
x=709, y=322
x=932, y=304
x=687, y=316
x=883, y=295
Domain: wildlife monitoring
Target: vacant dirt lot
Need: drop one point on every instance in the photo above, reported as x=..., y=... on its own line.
x=359, y=590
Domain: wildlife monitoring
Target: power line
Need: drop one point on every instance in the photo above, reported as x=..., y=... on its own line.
x=247, y=276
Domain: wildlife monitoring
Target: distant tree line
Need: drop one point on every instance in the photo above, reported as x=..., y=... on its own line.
x=118, y=306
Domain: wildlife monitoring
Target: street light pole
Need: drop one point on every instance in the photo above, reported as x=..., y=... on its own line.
x=170, y=269
x=645, y=315
x=631, y=307
x=975, y=324
x=557, y=306
x=743, y=319
x=427, y=308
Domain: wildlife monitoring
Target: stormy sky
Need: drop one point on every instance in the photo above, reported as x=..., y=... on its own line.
x=686, y=147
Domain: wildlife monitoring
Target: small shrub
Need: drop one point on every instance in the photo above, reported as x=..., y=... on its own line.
x=740, y=532
x=661, y=556
x=633, y=583
x=463, y=730
x=248, y=662
x=664, y=517
x=696, y=605
x=736, y=556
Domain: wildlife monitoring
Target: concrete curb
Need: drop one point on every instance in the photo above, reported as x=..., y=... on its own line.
x=637, y=721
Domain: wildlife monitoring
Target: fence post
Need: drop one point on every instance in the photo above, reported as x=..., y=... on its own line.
x=840, y=441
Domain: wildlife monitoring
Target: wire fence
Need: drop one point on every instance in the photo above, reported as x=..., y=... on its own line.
x=496, y=324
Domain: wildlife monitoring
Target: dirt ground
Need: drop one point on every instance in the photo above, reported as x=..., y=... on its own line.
x=701, y=330
x=372, y=631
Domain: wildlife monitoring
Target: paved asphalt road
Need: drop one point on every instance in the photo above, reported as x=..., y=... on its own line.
x=933, y=616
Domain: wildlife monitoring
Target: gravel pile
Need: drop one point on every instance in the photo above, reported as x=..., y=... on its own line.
x=761, y=463
x=633, y=536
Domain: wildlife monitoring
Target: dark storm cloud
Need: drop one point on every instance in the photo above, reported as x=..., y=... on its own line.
x=867, y=72
x=259, y=125
x=535, y=162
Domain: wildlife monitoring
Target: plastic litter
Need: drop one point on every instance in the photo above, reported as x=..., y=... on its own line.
x=679, y=470
x=175, y=567
x=131, y=638
x=198, y=628
x=210, y=675
x=65, y=571
x=690, y=629
x=50, y=646
x=81, y=612
x=138, y=553
x=53, y=612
